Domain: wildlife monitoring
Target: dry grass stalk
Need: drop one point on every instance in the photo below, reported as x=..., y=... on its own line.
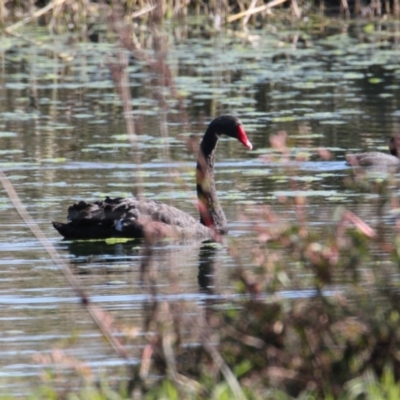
x=119, y=73
x=143, y=11
x=37, y=14
x=62, y=56
x=247, y=16
x=98, y=315
x=362, y=226
x=344, y=7
x=2, y=13
x=396, y=8
x=255, y=10
x=296, y=9
x=58, y=357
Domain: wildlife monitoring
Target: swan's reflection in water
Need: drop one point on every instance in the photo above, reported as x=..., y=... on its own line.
x=172, y=272
x=84, y=253
x=168, y=268
x=166, y=294
x=181, y=262
x=207, y=258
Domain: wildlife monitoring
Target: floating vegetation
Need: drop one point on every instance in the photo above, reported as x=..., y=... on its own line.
x=111, y=95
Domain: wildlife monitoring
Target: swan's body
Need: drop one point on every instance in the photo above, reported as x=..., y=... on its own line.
x=375, y=158
x=129, y=217
x=135, y=218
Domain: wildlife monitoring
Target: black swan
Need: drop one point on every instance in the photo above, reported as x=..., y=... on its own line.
x=133, y=218
x=376, y=158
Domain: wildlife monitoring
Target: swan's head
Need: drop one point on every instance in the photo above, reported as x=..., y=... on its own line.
x=230, y=126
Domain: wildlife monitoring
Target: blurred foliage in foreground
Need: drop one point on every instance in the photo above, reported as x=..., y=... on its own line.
x=315, y=316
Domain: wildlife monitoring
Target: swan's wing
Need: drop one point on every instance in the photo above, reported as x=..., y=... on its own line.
x=111, y=210
x=129, y=216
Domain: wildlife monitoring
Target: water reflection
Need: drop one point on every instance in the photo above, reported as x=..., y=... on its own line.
x=87, y=252
x=182, y=257
x=339, y=90
x=207, y=259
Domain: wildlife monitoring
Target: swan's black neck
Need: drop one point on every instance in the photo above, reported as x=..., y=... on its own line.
x=211, y=213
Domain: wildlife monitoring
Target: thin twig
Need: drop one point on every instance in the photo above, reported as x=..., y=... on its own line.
x=225, y=370
x=36, y=14
x=296, y=9
x=143, y=11
x=358, y=223
x=62, y=56
x=255, y=10
x=96, y=313
x=247, y=16
x=120, y=75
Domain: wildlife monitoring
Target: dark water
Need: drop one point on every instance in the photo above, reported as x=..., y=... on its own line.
x=63, y=138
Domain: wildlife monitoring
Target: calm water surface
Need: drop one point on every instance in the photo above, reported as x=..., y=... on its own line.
x=63, y=138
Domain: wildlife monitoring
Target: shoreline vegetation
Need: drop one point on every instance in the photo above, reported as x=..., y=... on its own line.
x=336, y=342
x=65, y=14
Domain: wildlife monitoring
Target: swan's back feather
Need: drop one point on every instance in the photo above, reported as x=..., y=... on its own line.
x=129, y=217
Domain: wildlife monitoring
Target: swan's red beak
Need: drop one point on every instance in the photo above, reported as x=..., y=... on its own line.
x=242, y=137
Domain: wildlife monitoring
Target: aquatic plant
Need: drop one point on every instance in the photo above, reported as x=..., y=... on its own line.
x=314, y=314
x=315, y=311
x=66, y=15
